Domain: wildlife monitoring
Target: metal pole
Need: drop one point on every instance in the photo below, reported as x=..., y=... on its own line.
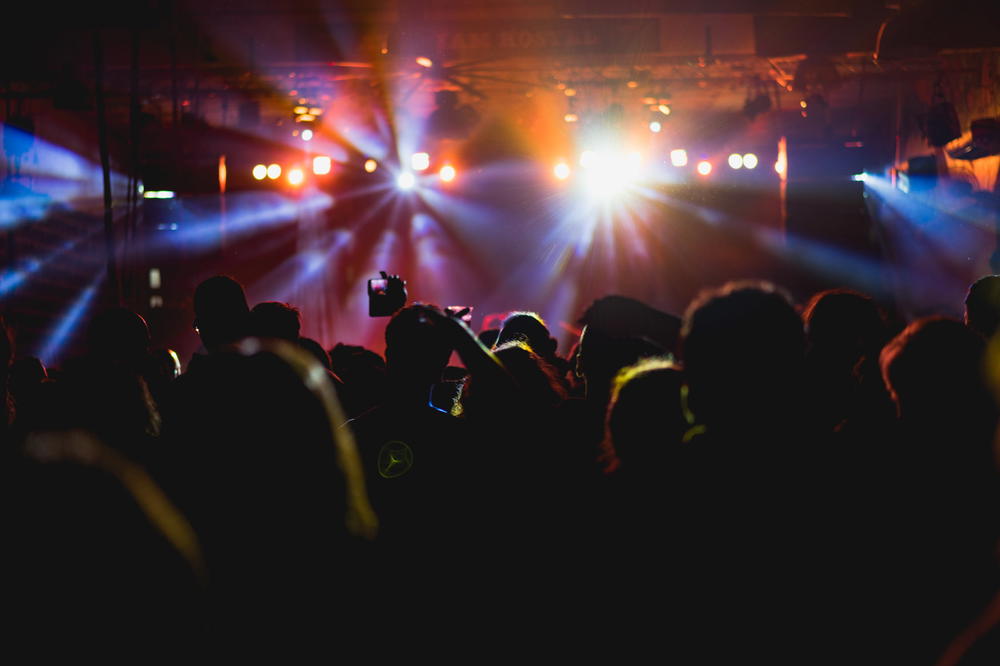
x=102, y=133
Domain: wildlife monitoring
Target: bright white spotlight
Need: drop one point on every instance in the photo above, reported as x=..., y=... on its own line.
x=780, y=166
x=588, y=159
x=307, y=135
x=750, y=161
x=370, y=165
x=406, y=181
x=735, y=161
x=447, y=173
x=679, y=157
x=322, y=164
x=296, y=176
x=420, y=161
x=561, y=171
x=704, y=167
x=655, y=126
x=260, y=172
x=611, y=173
x=424, y=61
x=158, y=194
x=274, y=171
x=664, y=109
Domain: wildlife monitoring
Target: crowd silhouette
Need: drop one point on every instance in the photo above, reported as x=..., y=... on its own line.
x=751, y=481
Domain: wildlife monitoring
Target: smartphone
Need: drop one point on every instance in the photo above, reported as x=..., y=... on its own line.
x=378, y=298
x=455, y=309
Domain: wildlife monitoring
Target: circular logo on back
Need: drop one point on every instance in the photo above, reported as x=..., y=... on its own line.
x=395, y=459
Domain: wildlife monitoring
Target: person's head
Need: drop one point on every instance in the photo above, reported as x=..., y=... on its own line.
x=982, y=306
x=119, y=334
x=841, y=320
x=645, y=416
x=530, y=328
x=538, y=387
x=743, y=346
x=415, y=351
x=221, y=312
x=934, y=371
x=316, y=350
x=618, y=331
x=272, y=319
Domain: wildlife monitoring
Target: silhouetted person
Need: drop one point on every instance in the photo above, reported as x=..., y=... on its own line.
x=275, y=320
x=982, y=306
x=946, y=489
x=363, y=373
x=120, y=336
x=530, y=328
x=256, y=460
x=757, y=525
x=845, y=331
x=221, y=312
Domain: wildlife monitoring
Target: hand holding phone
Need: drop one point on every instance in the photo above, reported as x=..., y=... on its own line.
x=386, y=295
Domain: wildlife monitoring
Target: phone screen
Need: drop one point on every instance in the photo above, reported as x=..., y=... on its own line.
x=378, y=286
x=467, y=317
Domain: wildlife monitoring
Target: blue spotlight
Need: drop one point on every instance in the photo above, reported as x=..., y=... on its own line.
x=68, y=323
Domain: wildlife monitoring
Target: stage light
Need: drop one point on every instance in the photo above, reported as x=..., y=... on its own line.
x=315, y=111
x=571, y=118
x=750, y=161
x=803, y=103
x=406, y=181
x=307, y=135
x=420, y=161
x=704, y=167
x=588, y=158
x=299, y=110
x=296, y=176
x=561, y=171
x=735, y=161
x=570, y=92
x=158, y=194
x=632, y=84
x=447, y=173
x=322, y=165
x=610, y=173
x=655, y=126
x=274, y=171
x=305, y=118
x=649, y=101
x=664, y=109
x=424, y=61
x=780, y=166
x=679, y=157
x=370, y=165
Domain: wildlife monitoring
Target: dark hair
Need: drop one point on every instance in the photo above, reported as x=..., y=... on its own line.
x=982, y=305
x=273, y=319
x=742, y=343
